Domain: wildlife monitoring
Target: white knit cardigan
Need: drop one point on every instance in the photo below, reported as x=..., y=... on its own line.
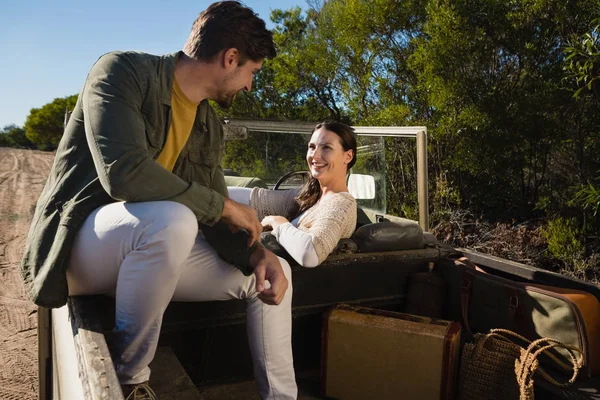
x=328, y=221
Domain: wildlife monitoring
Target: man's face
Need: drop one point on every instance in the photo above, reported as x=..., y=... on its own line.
x=237, y=80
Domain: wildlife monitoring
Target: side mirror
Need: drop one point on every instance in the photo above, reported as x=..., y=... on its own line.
x=235, y=132
x=361, y=187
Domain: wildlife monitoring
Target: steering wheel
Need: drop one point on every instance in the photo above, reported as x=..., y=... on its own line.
x=304, y=174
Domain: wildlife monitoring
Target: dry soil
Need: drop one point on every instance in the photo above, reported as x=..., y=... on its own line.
x=22, y=177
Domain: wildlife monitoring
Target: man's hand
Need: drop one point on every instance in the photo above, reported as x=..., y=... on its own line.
x=267, y=267
x=242, y=216
x=271, y=222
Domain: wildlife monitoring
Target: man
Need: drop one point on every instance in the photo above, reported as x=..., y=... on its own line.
x=137, y=171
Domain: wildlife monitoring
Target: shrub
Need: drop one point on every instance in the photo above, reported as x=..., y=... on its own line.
x=563, y=236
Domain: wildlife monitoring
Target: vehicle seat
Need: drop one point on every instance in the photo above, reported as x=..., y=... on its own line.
x=244, y=181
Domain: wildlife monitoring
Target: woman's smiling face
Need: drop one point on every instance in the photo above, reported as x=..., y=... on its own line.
x=326, y=157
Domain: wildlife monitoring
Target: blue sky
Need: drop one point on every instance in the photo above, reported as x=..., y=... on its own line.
x=48, y=47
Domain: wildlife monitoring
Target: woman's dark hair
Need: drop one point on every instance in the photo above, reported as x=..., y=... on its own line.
x=311, y=191
x=225, y=25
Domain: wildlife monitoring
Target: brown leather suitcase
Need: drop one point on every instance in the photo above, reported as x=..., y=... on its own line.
x=588, y=308
x=376, y=354
x=532, y=310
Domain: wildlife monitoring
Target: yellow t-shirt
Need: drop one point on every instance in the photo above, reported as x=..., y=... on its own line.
x=183, y=112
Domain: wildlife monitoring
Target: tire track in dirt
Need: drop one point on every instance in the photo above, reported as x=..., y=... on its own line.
x=12, y=285
x=8, y=176
x=9, y=393
x=22, y=176
x=17, y=380
x=14, y=167
x=13, y=250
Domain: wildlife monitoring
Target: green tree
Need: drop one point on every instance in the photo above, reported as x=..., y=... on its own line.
x=583, y=71
x=14, y=136
x=583, y=60
x=44, y=126
x=500, y=120
x=5, y=139
x=485, y=77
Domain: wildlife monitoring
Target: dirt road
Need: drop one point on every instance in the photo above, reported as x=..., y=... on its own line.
x=22, y=177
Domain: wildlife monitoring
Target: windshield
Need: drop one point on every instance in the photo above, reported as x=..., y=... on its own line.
x=271, y=155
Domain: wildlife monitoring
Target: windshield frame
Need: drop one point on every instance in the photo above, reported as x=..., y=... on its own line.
x=419, y=133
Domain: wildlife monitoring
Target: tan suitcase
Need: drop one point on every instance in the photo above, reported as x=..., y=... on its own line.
x=376, y=354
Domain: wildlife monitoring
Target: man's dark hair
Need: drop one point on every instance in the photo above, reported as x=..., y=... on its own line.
x=229, y=24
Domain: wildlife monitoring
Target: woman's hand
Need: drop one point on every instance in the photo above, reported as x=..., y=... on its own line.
x=271, y=222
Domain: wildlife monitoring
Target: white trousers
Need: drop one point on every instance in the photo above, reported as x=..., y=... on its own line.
x=147, y=254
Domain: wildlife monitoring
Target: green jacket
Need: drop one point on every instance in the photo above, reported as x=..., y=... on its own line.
x=106, y=154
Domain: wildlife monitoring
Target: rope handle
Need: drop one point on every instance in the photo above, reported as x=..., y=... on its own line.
x=543, y=345
x=498, y=334
x=528, y=360
x=536, y=343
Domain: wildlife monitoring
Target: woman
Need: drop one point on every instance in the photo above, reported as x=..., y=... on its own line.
x=310, y=222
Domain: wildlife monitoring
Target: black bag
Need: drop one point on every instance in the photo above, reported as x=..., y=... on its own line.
x=268, y=240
